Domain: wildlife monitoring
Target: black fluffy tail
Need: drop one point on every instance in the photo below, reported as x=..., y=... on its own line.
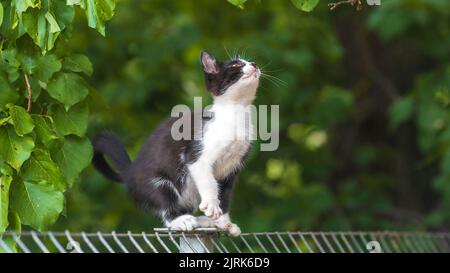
x=108, y=144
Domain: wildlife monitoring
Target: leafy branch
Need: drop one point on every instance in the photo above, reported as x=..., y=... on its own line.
x=303, y=5
x=43, y=148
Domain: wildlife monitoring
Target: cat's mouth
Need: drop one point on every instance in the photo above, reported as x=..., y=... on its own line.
x=255, y=74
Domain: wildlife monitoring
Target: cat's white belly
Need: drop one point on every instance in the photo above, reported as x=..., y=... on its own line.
x=230, y=158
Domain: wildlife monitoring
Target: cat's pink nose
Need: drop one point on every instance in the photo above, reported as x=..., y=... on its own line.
x=254, y=65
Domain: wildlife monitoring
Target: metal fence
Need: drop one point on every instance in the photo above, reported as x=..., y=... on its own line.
x=210, y=240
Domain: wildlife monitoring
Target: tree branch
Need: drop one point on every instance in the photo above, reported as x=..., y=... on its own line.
x=352, y=2
x=30, y=91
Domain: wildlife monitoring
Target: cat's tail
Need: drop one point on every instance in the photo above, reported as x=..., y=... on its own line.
x=108, y=144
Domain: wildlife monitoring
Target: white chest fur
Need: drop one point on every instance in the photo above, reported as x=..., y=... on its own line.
x=229, y=135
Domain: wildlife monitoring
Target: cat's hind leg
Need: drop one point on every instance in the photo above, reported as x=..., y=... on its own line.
x=222, y=223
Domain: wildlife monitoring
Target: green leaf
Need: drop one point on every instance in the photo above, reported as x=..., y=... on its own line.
x=238, y=3
x=43, y=128
x=45, y=25
x=1, y=14
x=68, y=88
x=400, y=111
x=38, y=204
x=73, y=2
x=52, y=22
x=47, y=65
x=10, y=64
x=21, y=120
x=73, y=156
x=23, y=5
x=64, y=14
x=78, y=63
x=36, y=25
x=305, y=5
x=7, y=93
x=40, y=167
x=15, y=226
x=5, y=183
x=69, y=122
x=27, y=62
x=97, y=12
x=13, y=148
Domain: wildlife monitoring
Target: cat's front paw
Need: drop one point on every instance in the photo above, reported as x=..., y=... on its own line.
x=211, y=208
x=183, y=223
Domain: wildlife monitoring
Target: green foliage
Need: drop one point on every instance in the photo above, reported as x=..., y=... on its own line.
x=43, y=145
x=401, y=111
x=304, y=5
x=238, y=3
x=68, y=88
x=38, y=204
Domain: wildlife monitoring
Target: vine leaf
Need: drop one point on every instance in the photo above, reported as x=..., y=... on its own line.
x=78, y=63
x=73, y=156
x=69, y=122
x=53, y=25
x=238, y=3
x=5, y=182
x=305, y=5
x=1, y=14
x=44, y=27
x=44, y=129
x=7, y=93
x=98, y=12
x=37, y=204
x=22, y=5
x=40, y=167
x=68, y=88
x=47, y=65
x=15, y=226
x=21, y=120
x=13, y=148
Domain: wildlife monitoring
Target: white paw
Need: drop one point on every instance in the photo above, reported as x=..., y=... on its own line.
x=225, y=224
x=211, y=208
x=234, y=230
x=183, y=223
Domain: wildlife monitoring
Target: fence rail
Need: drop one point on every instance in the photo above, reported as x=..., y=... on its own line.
x=210, y=240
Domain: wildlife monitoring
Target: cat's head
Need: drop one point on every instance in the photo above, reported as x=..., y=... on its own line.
x=232, y=80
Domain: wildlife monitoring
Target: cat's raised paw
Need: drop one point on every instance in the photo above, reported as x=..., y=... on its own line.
x=211, y=208
x=183, y=223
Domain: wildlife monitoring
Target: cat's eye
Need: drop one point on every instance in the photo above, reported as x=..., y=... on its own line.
x=236, y=65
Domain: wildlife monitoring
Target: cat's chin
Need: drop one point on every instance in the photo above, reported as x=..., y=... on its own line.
x=252, y=75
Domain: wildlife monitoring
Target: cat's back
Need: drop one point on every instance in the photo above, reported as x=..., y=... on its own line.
x=163, y=149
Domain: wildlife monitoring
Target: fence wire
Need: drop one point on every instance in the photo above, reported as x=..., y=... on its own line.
x=209, y=240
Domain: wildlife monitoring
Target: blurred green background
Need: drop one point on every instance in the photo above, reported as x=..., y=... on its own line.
x=364, y=116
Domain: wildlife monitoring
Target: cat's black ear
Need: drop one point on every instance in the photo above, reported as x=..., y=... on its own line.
x=209, y=63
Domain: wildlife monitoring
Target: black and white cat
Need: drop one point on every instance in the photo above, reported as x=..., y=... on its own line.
x=175, y=177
